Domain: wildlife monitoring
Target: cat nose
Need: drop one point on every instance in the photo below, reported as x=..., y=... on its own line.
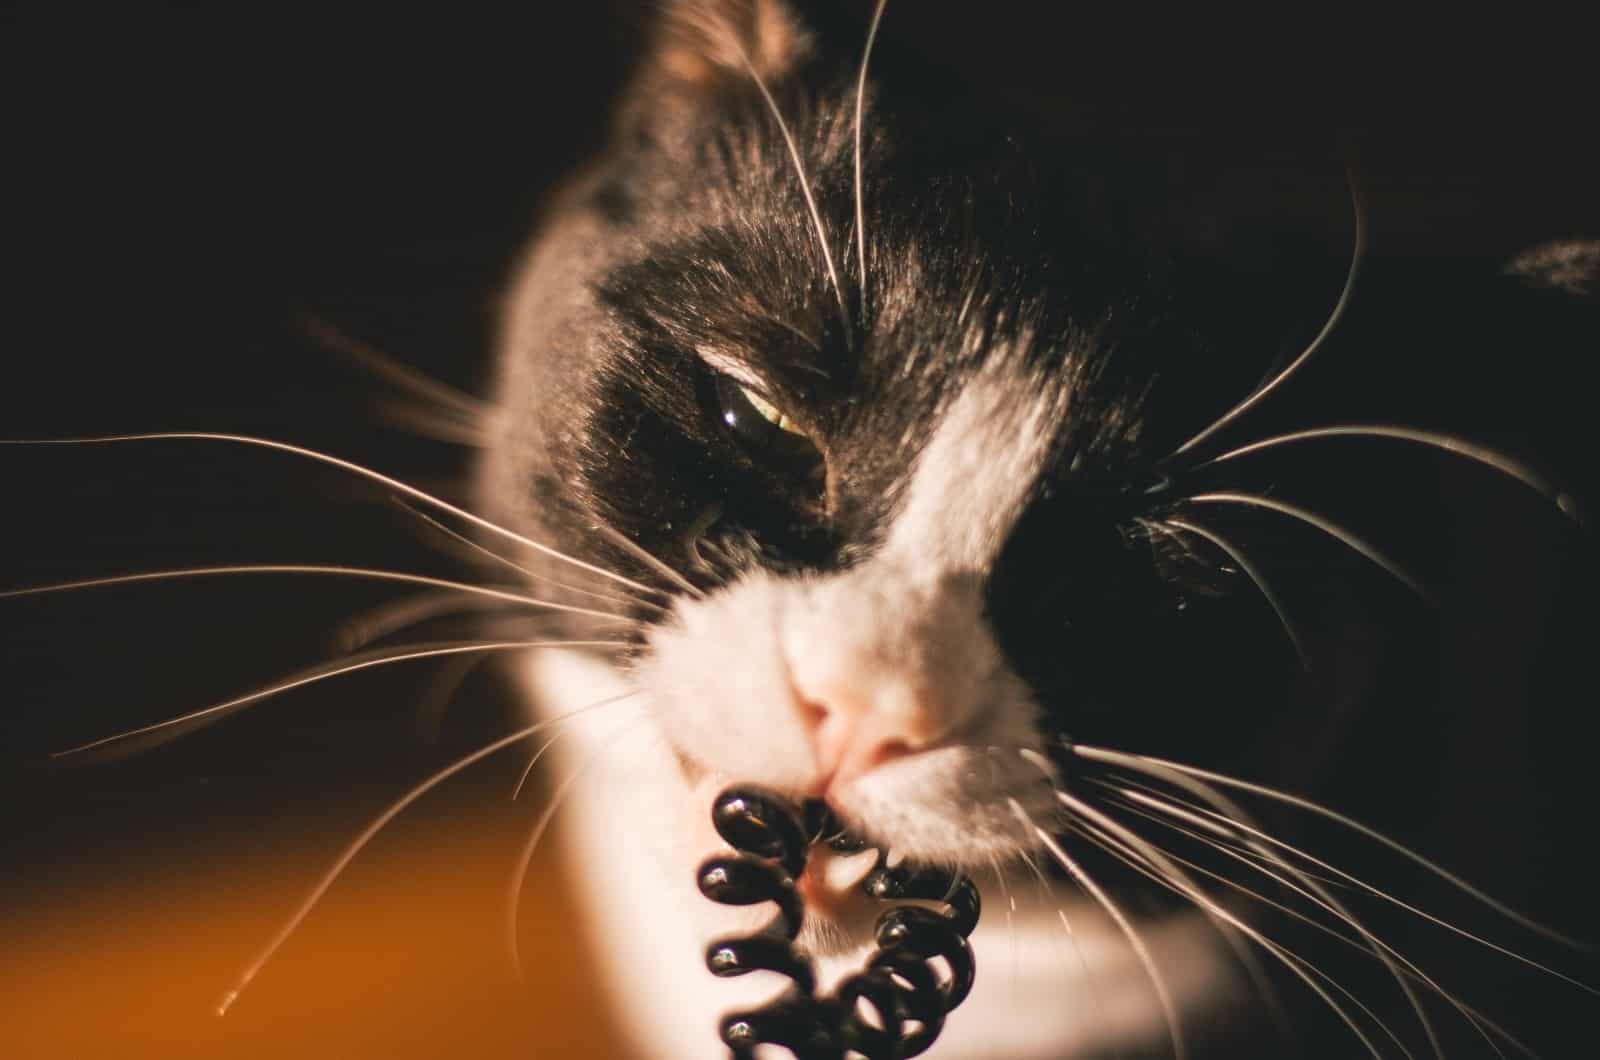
x=855, y=731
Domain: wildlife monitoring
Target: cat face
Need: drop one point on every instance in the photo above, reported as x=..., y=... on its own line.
x=886, y=445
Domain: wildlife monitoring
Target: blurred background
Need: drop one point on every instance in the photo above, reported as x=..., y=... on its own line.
x=184, y=189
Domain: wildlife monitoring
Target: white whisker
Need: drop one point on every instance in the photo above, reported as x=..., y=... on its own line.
x=344, y=465
x=1053, y=777
x=1254, y=575
x=861, y=96
x=315, y=569
x=1011, y=918
x=519, y=876
x=1301, y=967
x=426, y=422
x=1357, y=254
x=1332, y=529
x=1144, y=764
x=1233, y=815
x=1047, y=894
x=323, y=673
x=533, y=760
x=467, y=408
x=1198, y=815
x=1159, y=862
x=361, y=630
x=1410, y=968
x=1169, y=1008
x=433, y=701
x=643, y=555
x=490, y=554
x=805, y=190
x=1446, y=443
x=355, y=847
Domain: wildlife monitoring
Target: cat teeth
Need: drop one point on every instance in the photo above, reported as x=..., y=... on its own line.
x=841, y=872
x=892, y=858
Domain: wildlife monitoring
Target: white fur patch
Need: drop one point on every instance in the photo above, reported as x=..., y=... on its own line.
x=971, y=480
x=634, y=830
x=899, y=641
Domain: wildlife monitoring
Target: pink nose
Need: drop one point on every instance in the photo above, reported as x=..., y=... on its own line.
x=851, y=735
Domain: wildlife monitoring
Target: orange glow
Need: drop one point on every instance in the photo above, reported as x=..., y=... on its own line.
x=405, y=957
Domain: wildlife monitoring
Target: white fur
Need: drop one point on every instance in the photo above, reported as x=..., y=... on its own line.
x=974, y=475
x=738, y=687
x=634, y=829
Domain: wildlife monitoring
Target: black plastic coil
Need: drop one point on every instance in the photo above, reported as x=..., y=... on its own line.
x=903, y=989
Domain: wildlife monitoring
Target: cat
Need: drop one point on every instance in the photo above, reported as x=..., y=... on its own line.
x=888, y=432
x=892, y=490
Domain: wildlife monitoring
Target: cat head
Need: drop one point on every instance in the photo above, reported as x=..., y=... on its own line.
x=879, y=396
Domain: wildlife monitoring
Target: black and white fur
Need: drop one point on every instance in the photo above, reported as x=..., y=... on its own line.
x=1007, y=356
x=1008, y=374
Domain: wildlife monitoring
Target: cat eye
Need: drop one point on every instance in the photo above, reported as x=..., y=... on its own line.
x=766, y=410
x=763, y=427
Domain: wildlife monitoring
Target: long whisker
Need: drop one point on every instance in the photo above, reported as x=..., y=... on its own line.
x=1255, y=576
x=433, y=701
x=861, y=96
x=1144, y=764
x=643, y=555
x=488, y=553
x=1198, y=814
x=1357, y=254
x=324, y=673
x=1158, y=861
x=1446, y=443
x=356, y=845
x=1231, y=815
x=427, y=422
x=533, y=761
x=344, y=465
x=468, y=408
x=519, y=877
x=805, y=190
x=1406, y=965
x=375, y=623
x=1333, y=530
x=1223, y=833
x=1302, y=968
x=1169, y=1009
x=337, y=570
x=1047, y=893
x=1011, y=915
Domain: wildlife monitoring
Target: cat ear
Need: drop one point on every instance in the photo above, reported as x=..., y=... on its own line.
x=1571, y=265
x=705, y=45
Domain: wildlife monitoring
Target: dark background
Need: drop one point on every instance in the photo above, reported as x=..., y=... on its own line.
x=181, y=189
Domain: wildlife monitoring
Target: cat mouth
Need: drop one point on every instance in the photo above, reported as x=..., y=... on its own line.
x=839, y=911
x=831, y=883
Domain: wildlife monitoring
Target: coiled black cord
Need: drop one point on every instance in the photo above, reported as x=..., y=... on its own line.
x=905, y=993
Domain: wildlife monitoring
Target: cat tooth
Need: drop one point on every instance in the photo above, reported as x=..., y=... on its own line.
x=892, y=858
x=841, y=872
